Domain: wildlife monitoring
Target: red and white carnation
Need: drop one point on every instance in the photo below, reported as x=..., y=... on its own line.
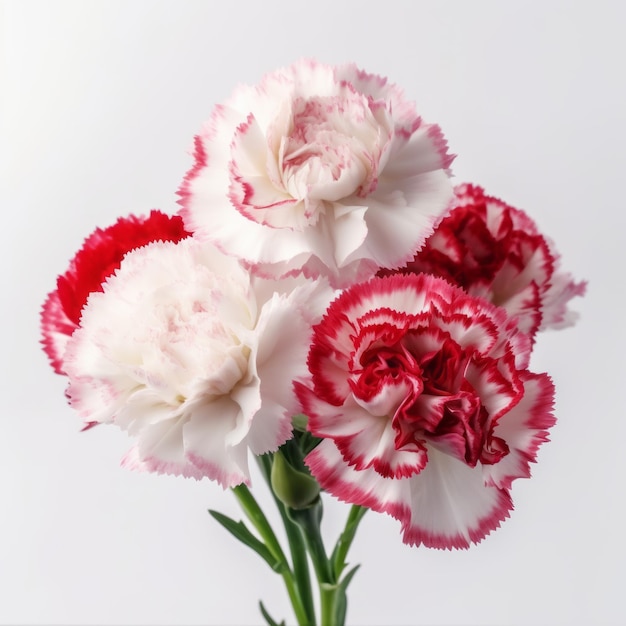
x=318, y=169
x=100, y=255
x=495, y=251
x=427, y=410
x=187, y=353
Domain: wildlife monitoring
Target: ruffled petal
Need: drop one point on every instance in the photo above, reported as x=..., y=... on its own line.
x=447, y=505
x=555, y=312
x=284, y=330
x=212, y=444
x=56, y=328
x=133, y=461
x=524, y=428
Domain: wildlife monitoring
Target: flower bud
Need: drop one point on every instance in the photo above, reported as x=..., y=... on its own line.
x=292, y=487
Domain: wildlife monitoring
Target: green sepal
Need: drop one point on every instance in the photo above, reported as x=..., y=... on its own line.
x=241, y=532
x=299, y=422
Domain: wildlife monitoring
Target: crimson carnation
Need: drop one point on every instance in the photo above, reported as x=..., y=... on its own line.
x=495, y=251
x=100, y=255
x=426, y=408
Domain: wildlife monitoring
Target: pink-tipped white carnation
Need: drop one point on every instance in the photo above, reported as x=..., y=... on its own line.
x=320, y=169
x=427, y=410
x=495, y=251
x=193, y=358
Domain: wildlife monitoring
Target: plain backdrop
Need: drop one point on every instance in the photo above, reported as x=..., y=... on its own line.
x=100, y=104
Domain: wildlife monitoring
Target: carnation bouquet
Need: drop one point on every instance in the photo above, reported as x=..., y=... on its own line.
x=328, y=303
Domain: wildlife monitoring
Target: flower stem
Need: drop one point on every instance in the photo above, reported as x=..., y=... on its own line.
x=260, y=522
x=303, y=528
x=309, y=522
x=297, y=548
x=301, y=571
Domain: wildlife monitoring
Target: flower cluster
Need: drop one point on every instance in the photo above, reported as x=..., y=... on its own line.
x=323, y=276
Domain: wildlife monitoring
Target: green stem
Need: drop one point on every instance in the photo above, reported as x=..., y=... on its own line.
x=303, y=528
x=296, y=547
x=260, y=522
x=296, y=602
x=309, y=522
x=328, y=595
x=301, y=571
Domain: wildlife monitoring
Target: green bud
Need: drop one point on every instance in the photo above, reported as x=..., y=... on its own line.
x=293, y=488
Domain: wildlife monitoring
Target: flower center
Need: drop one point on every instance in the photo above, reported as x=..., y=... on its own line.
x=332, y=151
x=425, y=395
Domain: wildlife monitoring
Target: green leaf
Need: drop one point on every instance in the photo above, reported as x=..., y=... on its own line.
x=341, y=601
x=268, y=618
x=341, y=607
x=241, y=532
x=348, y=578
x=338, y=557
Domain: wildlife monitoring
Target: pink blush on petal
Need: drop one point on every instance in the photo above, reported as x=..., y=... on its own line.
x=300, y=175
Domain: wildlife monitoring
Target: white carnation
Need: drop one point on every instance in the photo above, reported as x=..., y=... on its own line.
x=193, y=357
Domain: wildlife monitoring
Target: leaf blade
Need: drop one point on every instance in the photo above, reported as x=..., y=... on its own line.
x=241, y=532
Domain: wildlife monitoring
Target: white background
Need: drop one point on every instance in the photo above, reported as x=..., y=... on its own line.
x=101, y=101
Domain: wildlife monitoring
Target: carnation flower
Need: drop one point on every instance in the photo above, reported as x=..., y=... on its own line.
x=189, y=355
x=427, y=410
x=100, y=255
x=496, y=251
x=325, y=169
